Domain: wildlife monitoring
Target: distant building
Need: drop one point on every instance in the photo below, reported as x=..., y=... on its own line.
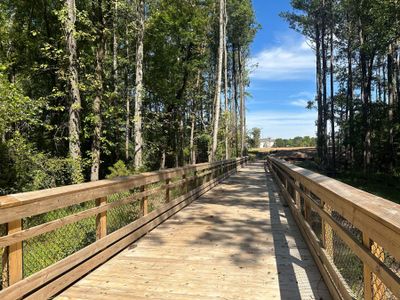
x=267, y=143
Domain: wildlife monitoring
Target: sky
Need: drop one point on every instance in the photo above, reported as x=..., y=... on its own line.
x=282, y=77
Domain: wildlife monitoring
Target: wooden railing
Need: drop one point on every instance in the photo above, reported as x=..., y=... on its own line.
x=353, y=236
x=54, y=237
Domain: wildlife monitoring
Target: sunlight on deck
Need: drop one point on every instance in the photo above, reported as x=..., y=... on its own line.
x=235, y=242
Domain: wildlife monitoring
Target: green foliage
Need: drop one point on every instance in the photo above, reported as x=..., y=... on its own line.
x=365, y=103
x=254, y=139
x=16, y=110
x=179, y=65
x=117, y=170
x=26, y=168
x=298, y=141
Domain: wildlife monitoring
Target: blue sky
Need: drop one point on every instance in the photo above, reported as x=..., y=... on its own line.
x=282, y=80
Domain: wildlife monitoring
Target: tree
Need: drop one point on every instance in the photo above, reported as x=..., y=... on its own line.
x=256, y=136
x=138, y=161
x=73, y=90
x=99, y=23
x=217, y=100
x=73, y=83
x=363, y=55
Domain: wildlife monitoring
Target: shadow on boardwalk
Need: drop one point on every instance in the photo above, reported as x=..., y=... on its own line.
x=237, y=241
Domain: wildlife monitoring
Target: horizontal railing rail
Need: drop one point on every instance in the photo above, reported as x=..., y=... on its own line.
x=51, y=238
x=353, y=236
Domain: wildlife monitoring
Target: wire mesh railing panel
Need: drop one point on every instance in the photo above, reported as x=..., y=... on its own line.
x=349, y=265
x=46, y=249
x=41, y=251
x=392, y=263
x=177, y=191
x=347, y=226
x=156, y=201
x=316, y=224
x=122, y=215
x=344, y=258
x=57, y=214
x=378, y=289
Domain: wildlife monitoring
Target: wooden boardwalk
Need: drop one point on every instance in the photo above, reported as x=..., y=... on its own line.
x=235, y=242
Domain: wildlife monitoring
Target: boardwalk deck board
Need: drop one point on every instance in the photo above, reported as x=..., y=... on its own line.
x=237, y=241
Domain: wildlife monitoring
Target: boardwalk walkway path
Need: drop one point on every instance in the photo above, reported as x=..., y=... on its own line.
x=237, y=241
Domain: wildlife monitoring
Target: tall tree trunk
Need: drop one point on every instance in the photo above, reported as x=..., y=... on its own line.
x=127, y=100
x=73, y=84
x=349, y=99
x=242, y=105
x=192, y=152
x=97, y=122
x=332, y=103
x=392, y=90
x=384, y=83
x=227, y=116
x=139, y=86
x=365, y=96
x=234, y=103
x=217, y=101
x=116, y=98
x=366, y=62
x=163, y=158
x=324, y=87
x=192, y=155
x=320, y=138
x=115, y=48
x=398, y=79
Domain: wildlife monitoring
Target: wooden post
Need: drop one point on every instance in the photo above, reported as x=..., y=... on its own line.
x=327, y=232
x=143, y=203
x=307, y=209
x=297, y=196
x=367, y=271
x=14, y=254
x=101, y=219
x=196, y=183
x=167, y=181
x=185, y=186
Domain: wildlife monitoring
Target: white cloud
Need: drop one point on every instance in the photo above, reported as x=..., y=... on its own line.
x=292, y=60
x=303, y=94
x=300, y=103
x=283, y=124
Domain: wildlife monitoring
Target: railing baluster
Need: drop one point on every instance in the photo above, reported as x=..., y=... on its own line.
x=14, y=254
x=167, y=181
x=101, y=219
x=144, y=203
x=185, y=184
x=297, y=196
x=307, y=208
x=367, y=271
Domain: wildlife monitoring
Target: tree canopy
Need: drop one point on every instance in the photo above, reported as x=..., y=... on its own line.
x=80, y=82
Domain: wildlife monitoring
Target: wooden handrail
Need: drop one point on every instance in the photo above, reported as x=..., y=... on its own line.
x=339, y=206
x=47, y=282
